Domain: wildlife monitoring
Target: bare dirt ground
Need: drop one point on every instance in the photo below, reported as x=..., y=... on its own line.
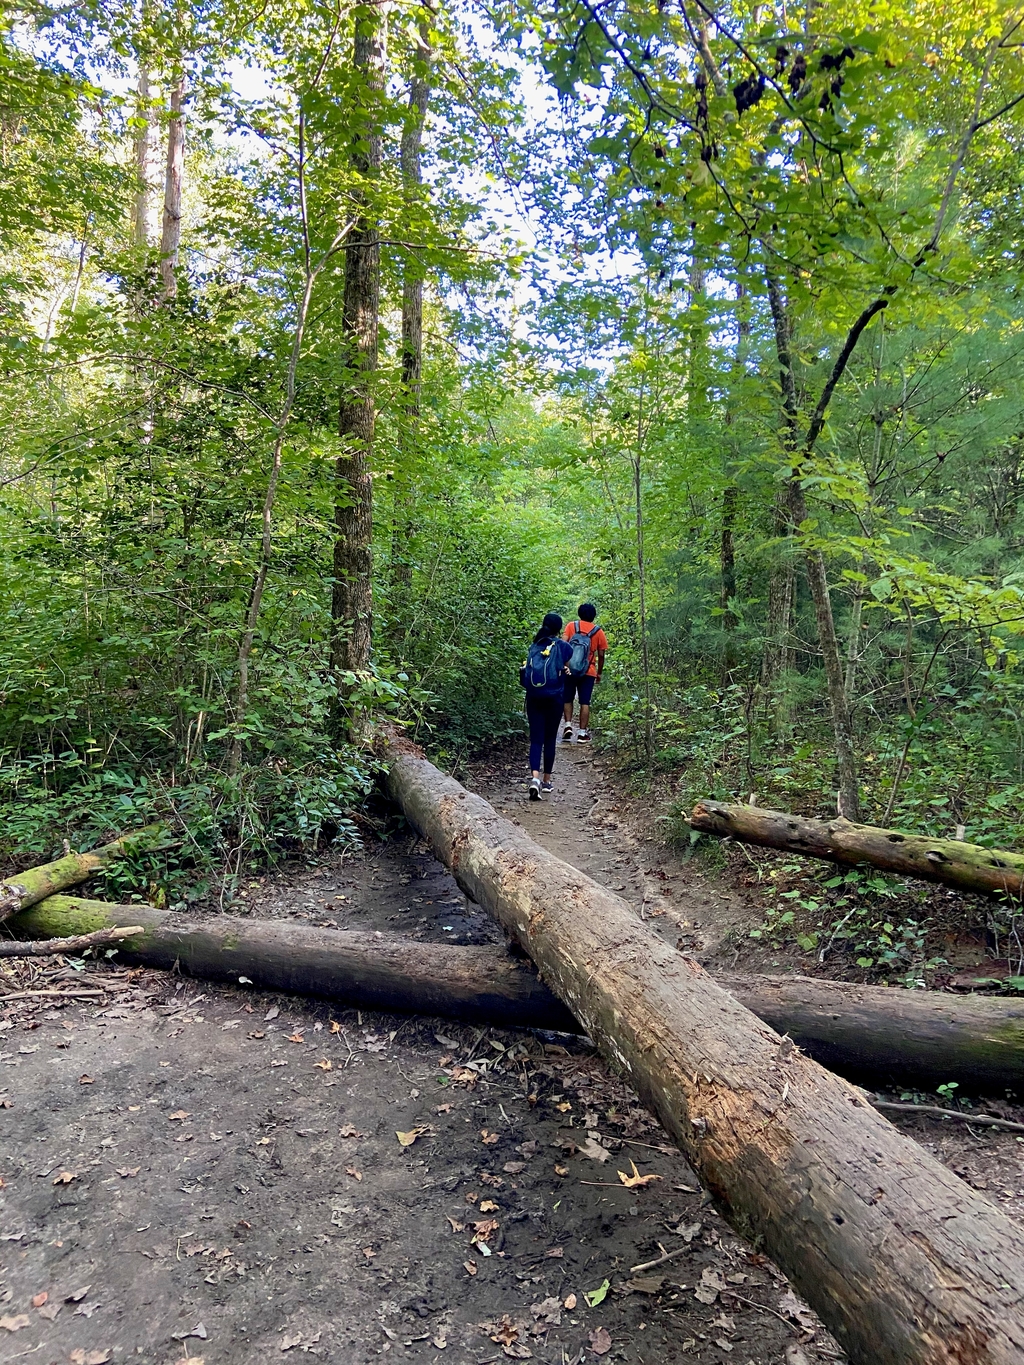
x=226, y=1176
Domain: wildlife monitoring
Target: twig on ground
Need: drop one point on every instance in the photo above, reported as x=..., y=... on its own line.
x=652, y=1147
x=76, y=944
x=985, y=1120
x=60, y=995
x=665, y=1256
x=762, y=1307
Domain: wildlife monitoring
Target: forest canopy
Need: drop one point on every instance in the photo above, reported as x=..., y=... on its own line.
x=341, y=342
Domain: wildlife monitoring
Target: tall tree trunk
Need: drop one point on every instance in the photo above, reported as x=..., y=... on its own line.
x=412, y=324
x=352, y=597
x=170, y=235
x=814, y=562
x=730, y=499
x=778, y=648
x=143, y=226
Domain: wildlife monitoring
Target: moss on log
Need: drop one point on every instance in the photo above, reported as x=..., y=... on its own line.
x=966, y=866
x=36, y=883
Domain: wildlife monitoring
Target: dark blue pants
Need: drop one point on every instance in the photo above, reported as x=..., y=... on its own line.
x=543, y=713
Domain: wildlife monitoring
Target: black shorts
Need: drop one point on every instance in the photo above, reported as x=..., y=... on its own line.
x=583, y=686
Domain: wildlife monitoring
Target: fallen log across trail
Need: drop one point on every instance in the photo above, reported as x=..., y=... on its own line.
x=36, y=883
x=905, y=1263
x=969, y=867
x=869, y=1033
x=361, y=969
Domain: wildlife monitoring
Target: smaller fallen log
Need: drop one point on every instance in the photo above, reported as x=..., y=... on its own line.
x=877, y=1034
x=80, y=943
x=36, y=883
x=934, y=1111
x=969, y=867
x=360, y=968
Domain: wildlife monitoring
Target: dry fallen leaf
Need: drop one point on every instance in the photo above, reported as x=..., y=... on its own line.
x=443, y=1109
x=85, y=1080
x=50, y=1311
x=81, y=1357
x=78, y=1295
x=471, y=1196
x=15, y=1324
x=39, y=1299
x=86, y=1310
x=455, y=1224
x=514, y=1167
x=351, y=1170
x=570, y=1302
x=272, y=1013
x=594, y=1150
x=126, y=1172
x=335, y=1026
x=348, y=1130
x=324, y=1064
x=65, y=1178
x=407, y=1139
x=256, y=1033
x=470, y=1267
x=563, y=1108
x=369, y=1253
x=600, y=1341
x=296, y=1038
x=179, y=1116
x=439, y=1342
x=484, y=1227
x=489, y=1206
x=561, y=1170
x=636, y=1181
x=489, y=1137
x=711, y=1285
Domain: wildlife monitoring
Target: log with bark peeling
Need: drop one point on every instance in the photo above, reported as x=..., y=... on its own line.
x=78, y=943
x=36, y=883
x=969, y=867
x=359, y=968
x=904, y=1262
x=870, y=1033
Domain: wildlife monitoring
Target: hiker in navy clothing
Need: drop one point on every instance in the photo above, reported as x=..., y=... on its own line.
x=543, y=676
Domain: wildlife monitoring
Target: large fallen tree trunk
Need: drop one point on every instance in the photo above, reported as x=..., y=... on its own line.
x=360, y=968
x=967, y=866
x=903, y=1261
x=36, y=883
x=871, y=1033
x=885, y=1033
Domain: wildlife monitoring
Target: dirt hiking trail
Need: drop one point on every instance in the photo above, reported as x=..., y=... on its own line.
x=218, y=1175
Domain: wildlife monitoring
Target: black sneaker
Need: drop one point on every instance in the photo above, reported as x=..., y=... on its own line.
x=583, y=737
x=535, y=789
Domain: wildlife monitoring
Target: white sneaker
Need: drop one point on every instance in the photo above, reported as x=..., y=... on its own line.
x=535, y=789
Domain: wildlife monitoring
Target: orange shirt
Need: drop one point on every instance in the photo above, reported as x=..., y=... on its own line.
x=598, y=641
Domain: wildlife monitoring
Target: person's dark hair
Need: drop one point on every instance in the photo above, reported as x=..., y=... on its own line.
x=587, y=611
x=550, y=627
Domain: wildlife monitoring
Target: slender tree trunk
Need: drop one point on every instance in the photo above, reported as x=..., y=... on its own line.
x=143, y=227
x=170, y=235
x=778, y=650
x=352, y=597
x=817, y=578
x=412, y=327
x=641, y=569
x=730, y=499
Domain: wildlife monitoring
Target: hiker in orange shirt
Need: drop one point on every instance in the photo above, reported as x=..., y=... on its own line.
x=586, y=664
